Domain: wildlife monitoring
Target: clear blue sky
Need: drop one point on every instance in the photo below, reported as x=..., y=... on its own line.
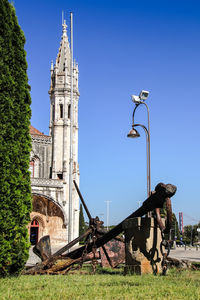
x=123, y=47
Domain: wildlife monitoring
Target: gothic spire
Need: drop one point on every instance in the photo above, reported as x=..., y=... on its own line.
x=64, y=25
x=63, y=57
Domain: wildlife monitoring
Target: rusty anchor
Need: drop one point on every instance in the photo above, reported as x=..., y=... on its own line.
x=98, y=238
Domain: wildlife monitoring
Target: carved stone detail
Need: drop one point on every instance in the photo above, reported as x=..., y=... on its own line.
x=46, y=182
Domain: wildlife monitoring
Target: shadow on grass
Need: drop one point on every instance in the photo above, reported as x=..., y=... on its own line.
x=87, y=269
x=109, y=271
x=122, y=283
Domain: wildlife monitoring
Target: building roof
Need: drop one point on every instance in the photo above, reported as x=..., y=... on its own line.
x=37, y=135
x=34, y=131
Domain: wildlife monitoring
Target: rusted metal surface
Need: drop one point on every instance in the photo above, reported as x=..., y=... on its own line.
x=96, y=238
x=169, y=215
x=43, y=248
x=114, y=255
x=60, y=266
x=164, y=228
x=72, y=243
x=165, y=244
x=82, y=200
x=156, y=200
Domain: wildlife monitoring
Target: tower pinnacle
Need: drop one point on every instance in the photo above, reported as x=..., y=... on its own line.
x=64, y=25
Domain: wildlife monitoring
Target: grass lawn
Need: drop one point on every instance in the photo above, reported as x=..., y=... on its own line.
x=103, y=285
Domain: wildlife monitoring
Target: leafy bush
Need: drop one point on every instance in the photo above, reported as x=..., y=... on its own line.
x=15, y=144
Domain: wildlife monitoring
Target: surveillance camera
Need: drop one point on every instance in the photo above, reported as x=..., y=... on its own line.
x=135, y=99
x=143, y=95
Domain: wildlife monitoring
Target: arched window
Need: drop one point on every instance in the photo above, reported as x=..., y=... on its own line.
x=31, y=168
x=34, y=166
x=34, y=232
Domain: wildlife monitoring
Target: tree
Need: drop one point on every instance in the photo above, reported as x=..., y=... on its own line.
x=191, y=233
x=82, y=226
x=15, y=144
x=175, y=233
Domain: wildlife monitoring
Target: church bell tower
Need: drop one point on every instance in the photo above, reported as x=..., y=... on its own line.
x=60, y=120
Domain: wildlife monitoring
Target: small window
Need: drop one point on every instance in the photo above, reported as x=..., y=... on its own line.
x=34, y=166
x=31, y=168
x=60, y=176
x=69, y=111
x=34, y=232
x=61, y=111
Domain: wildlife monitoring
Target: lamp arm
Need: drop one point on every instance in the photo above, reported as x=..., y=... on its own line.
x=148, y=158
x=145, y=129
x=136, y=106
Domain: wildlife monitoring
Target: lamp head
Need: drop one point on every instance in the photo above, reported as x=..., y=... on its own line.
x=133, y=133
x=143, y=95
x=135, y=99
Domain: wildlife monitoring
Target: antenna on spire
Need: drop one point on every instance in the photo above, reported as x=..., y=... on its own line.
x=52, y=65
x=62, y=17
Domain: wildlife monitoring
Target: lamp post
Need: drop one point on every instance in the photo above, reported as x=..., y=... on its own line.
x=133, y=133
x=107, y=202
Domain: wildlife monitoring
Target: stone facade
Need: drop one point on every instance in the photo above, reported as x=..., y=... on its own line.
x=50, y=157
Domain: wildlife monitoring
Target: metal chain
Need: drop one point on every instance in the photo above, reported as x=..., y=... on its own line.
x=94, y=260
x=84, y=253
x=164, y=243
x=153, y=262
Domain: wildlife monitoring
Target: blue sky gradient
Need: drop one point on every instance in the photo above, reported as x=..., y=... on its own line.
x=123, y=47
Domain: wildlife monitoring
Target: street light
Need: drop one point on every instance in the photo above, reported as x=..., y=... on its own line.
x=107, y=202
x=133, y=133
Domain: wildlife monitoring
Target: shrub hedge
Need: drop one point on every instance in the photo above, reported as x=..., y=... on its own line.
x=15, y=144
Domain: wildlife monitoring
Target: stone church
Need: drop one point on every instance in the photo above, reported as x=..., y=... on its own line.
x=50, y=157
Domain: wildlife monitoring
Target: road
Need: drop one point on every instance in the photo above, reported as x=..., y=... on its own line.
x=189, y=254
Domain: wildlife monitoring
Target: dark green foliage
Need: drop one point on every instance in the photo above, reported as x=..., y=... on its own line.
x=82, y=227
x=175, y=233
x=190, y=235
x=15, y=144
